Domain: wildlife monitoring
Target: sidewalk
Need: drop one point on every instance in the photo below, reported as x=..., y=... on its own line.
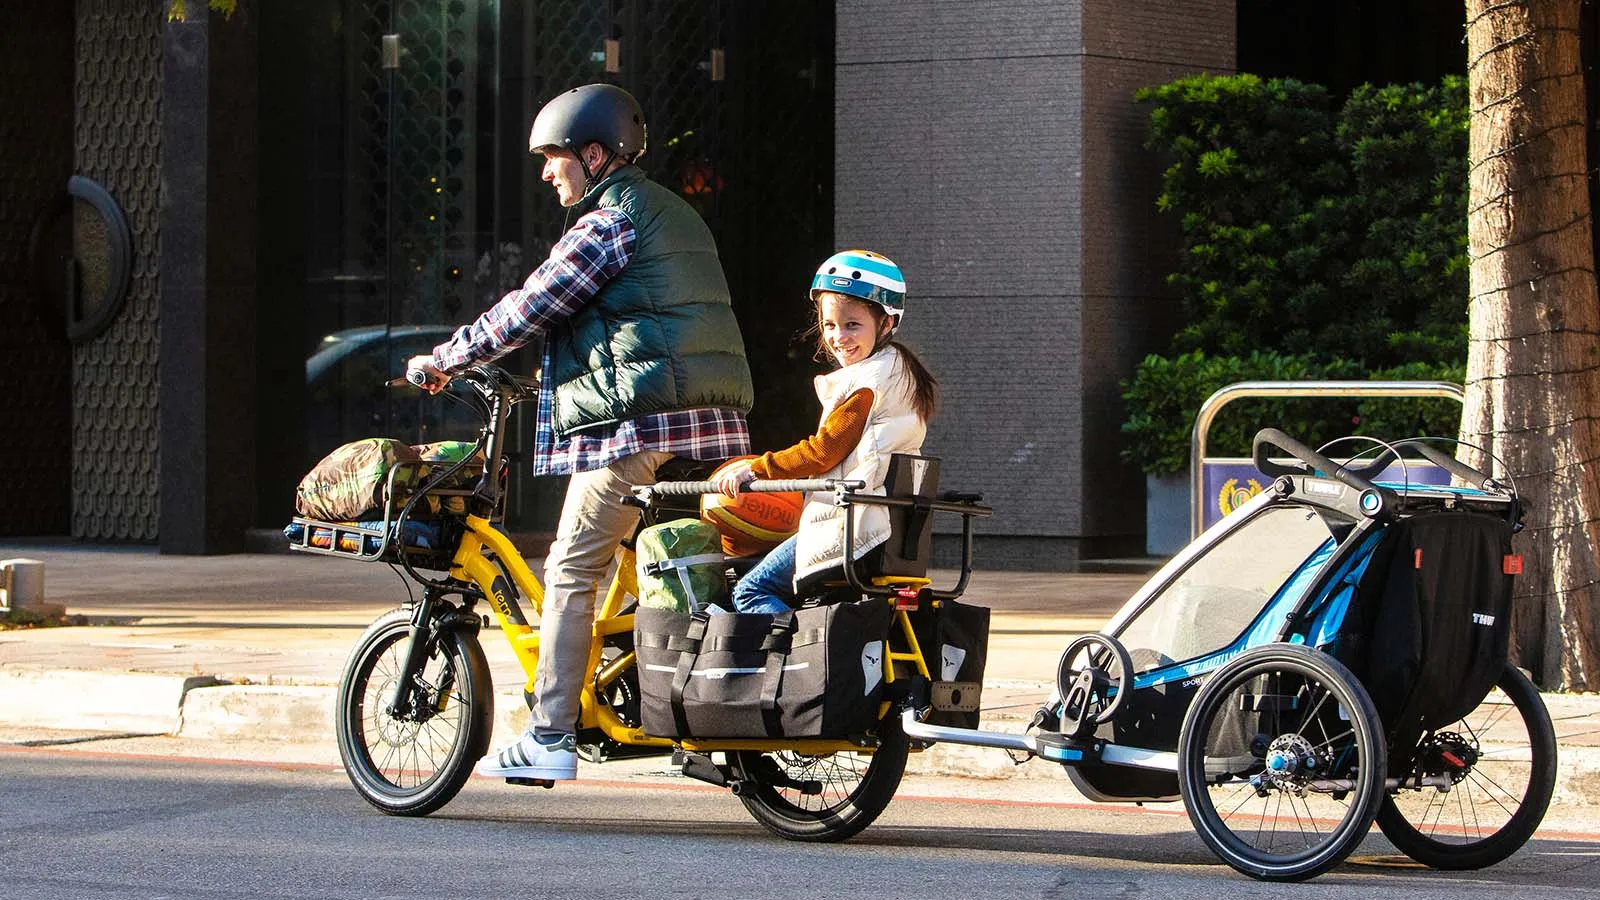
x=250, y=647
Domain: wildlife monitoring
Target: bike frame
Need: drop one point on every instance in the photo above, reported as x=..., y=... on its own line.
x=485, y=557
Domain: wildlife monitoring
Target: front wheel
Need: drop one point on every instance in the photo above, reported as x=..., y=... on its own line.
x=1281, y=762
x=822, y=798
x=410, y=762
x=1493, y=773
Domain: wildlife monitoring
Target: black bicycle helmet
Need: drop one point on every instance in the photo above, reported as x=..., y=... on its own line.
x=602, y=113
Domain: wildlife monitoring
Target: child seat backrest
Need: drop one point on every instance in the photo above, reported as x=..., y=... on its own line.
x=910, y=530
x=1428, y=630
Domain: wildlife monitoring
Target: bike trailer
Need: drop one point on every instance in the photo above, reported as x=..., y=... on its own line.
x=812, y=672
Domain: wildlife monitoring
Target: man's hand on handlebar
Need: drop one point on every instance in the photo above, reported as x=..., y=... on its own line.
x=421, y=372
x=734, y=477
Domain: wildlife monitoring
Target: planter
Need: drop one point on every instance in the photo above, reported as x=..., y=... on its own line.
x=1166, y=514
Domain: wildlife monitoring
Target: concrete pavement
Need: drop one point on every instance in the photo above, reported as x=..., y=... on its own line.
x=249, y=647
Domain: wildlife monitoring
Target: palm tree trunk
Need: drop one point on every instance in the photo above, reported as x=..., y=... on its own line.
x=1533, y=368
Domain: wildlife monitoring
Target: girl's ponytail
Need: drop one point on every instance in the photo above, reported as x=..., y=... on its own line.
x=924, y=387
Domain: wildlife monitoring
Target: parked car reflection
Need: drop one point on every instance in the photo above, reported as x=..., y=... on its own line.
x=349, y=397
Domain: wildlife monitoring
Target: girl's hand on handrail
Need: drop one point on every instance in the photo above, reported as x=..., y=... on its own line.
x=734, y=477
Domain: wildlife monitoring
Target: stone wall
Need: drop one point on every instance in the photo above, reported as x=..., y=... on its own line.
x=994, y=151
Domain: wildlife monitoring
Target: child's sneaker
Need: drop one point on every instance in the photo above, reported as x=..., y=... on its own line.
x=553, y=758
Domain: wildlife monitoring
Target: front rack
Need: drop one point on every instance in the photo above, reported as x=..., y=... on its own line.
x=427, y=539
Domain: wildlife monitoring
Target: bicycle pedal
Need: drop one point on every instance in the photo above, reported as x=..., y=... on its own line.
x=532, y=782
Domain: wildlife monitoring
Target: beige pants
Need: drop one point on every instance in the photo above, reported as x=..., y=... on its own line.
x=593, y=523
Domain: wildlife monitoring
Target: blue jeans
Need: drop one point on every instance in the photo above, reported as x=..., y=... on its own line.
x=770, y=585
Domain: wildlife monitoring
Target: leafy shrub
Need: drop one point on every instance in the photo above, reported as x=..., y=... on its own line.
x=1318, y=242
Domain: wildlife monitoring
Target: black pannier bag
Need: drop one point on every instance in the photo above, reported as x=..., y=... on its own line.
x=812, y=672
x=954, y=639
x=1428, y=631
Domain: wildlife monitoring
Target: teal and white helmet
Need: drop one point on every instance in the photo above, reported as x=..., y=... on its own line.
x=864, y=275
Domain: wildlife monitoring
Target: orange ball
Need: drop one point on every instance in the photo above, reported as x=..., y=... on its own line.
x=751, y=523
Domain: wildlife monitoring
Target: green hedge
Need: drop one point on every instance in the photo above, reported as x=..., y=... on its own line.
x=1165, y=395
x=1319, y=241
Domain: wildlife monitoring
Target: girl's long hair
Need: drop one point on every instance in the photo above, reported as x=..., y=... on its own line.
x=924, y=387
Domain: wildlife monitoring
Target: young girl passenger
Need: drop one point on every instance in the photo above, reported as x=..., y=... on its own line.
x=876, y=403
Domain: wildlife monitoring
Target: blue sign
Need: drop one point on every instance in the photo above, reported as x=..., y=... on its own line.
x=1230, y=483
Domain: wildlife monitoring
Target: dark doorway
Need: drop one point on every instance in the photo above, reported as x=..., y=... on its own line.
x=36, y=122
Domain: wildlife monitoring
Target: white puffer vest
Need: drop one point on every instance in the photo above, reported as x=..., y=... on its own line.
x=892, y=427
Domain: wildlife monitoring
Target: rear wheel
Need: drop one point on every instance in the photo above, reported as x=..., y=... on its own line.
x=1500, y=762
x=821, y=798
x=1281, y=762
x=412, y=761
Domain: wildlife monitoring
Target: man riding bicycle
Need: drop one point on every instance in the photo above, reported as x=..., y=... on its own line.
x=643, y=361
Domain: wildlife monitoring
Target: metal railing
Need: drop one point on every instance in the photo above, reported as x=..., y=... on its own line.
x=1228, y=393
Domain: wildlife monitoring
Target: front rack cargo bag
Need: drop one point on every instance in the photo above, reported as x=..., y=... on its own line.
x=812, y=672
x=349, y=483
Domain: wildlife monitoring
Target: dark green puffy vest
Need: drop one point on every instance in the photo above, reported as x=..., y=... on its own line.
x=659, y=337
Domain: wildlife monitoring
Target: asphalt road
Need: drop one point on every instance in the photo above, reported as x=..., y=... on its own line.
x=80, y=823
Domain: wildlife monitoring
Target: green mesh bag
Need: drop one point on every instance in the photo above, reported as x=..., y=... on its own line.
x=441, y=456
x=680, y=566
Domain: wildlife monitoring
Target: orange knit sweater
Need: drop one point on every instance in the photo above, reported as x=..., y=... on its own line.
x=821, y=452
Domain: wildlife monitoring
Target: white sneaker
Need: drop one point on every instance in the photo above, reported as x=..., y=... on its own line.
x=550, y=758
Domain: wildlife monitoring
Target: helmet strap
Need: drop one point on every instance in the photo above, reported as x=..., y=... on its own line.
x=590, y=179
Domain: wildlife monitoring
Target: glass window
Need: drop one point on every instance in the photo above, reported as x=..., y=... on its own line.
x=1222, y=592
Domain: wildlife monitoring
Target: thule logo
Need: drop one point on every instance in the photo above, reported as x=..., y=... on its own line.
x=1323, y=488
x=1482, y=619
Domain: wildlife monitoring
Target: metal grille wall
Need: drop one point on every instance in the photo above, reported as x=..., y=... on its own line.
x=435, y=185
x=424, y=206
x=115, y=434
x=35, y=160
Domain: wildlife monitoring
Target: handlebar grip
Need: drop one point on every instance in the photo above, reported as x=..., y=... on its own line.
x=420, y=378
x=682, y=488
x=1272, y=437
x=778, y=486
x=1373, y=469
x=791, y=485
x=1452, y=465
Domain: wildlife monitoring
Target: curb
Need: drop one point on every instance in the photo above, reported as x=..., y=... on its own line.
x=279, y=713
x=202, y=706
x=132, y=702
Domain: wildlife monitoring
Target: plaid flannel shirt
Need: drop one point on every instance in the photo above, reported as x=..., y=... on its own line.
x=597, y=247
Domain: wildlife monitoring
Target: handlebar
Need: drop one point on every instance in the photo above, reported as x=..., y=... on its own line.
x=1374, y=499
x=487, y=379
x=1370, y=470
x=1443, y=460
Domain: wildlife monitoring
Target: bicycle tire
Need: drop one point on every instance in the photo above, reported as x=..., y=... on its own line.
x=413, y=765
x=1262, y=749
x=1456, y=829
x=852, y=794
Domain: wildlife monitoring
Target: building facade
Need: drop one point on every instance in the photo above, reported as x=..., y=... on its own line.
x=309, y=193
